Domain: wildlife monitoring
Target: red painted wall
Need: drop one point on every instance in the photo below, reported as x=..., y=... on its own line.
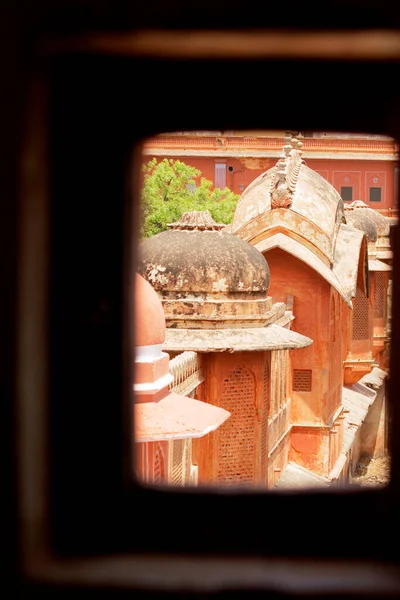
x=359, y=174
x=311, y=294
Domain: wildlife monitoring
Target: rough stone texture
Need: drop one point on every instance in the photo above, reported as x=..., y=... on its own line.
x=272, y=337
x=311, y=197
x=299, y=227
x=199, y=220
x=204, y=275
x=296, y=476
x=311, y=226
x=364, y=418
x=358, y=210
x=361, y=216
x=351, y=260
x=201, y=261
x=360, y=219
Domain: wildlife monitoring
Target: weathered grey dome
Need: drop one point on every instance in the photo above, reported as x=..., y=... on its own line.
x=359, y=212
x=206, y=277
x=360, y=219
x=195, y=256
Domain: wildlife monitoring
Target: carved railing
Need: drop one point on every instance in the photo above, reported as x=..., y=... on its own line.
x=186, y=371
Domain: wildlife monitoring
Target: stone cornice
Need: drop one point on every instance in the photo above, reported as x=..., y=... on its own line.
x=220, y=146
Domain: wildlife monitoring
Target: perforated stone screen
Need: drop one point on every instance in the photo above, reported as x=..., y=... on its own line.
x=264, y=425
x=335, y=360
x=176, y=476
x=282, y=378
x=380, y=296
x=360, y=316
x=237, y=435
x=158, y=476
x=302, y=380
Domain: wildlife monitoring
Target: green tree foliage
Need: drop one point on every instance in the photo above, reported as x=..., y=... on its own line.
x=171, y=188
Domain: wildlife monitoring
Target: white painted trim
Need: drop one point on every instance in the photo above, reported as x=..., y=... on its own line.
x=154, y=386
x=148, y=353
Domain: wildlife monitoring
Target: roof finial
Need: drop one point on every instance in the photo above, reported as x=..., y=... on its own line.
x=197, y=220
x=286, y=149
x=283, y=183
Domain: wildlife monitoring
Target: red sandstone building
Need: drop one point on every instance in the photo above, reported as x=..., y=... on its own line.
x=318, y=263
x=214, y=291
x=286, y=313
x=358, y=167
x=164, y=420
x=377, y=230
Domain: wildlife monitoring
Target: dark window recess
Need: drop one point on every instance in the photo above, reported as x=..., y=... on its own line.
x=375, y=194
x=302, y=380
x=347, y=193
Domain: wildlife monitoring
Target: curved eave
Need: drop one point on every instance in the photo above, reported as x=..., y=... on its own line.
x=293, y=247
x=314, y=198
x=271, y=337
x=350, y=264
x=176, y=417
x=294, y=225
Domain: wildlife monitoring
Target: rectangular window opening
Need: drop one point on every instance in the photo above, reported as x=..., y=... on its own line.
x=347, y=193
x=220, y=175
x=205, y=413
x=375, y=194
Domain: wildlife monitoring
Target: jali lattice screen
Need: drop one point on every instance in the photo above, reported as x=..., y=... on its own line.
x=159, y=474
x=237, y=441
x=360, y=316
x=302, y=380
x=264, y=425
x=380, y=295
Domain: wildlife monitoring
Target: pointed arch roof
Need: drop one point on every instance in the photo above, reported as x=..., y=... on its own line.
x=305, y=201
x=293, y=207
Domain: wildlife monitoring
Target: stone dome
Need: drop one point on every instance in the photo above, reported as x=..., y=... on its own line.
x=358, y=211
x=361, y=219
x=202, y=272
x=149, y=315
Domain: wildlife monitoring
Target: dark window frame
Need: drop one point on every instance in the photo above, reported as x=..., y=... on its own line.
x=92, y=506
x=370, y=189
x=346, y=187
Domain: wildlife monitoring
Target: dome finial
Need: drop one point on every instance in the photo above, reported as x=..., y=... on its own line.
x=197, y=220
